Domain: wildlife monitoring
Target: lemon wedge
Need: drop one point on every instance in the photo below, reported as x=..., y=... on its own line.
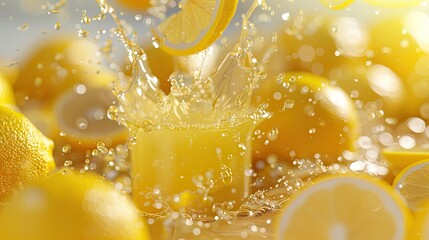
x=413, y=184
x=394, y=3
x=336, y=4
x=197, y=25
x=345, y=207
x=399, y=158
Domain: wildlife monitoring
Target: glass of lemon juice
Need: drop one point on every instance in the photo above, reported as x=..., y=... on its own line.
x=192, y=168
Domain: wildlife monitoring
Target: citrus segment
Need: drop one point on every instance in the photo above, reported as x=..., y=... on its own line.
x=25, y=153
x=72, y=206
x=197, y=25
x=345, y=207
x=413, y=184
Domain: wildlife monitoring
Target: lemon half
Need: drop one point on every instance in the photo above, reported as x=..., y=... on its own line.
x=413, y=184
x=345, y=207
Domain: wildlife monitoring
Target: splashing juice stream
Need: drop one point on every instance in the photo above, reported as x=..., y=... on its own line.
x=191, y=148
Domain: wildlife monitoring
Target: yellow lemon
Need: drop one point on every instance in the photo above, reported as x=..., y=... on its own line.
x=309, y=118
x=25, y=153
x=197, y=25
x=72, y=206
x=305, y=45
x=55, y=66
x=345, y=207
x=413, y=184
x=6, y=92
x=335, y=48
x=401, y=49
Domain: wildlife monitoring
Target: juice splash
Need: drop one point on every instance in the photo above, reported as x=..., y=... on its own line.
x=191, y=148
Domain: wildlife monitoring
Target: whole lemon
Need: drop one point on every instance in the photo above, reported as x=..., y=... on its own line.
x=311, y=119
x=25, y=153
x=69, y=206
x=57, y=65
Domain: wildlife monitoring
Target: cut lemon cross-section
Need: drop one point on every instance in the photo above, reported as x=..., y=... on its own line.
x=345, y=207
x=413, y=184
x=197, y=25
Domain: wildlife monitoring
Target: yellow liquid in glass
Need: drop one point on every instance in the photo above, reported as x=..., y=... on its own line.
x=191, y=169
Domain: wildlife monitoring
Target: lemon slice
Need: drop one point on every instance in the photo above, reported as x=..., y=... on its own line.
x=345, y=207
x=399, y=158
x=413, y=184
x=336, y=4
x=197, y=25
x=81, y=115
x=394, y=3
x=421, y=226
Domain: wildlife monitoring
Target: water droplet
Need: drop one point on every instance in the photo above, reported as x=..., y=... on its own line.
x=57, y=26
x=66, y=148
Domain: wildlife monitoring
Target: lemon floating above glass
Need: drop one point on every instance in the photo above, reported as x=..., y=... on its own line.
x=195, y=26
